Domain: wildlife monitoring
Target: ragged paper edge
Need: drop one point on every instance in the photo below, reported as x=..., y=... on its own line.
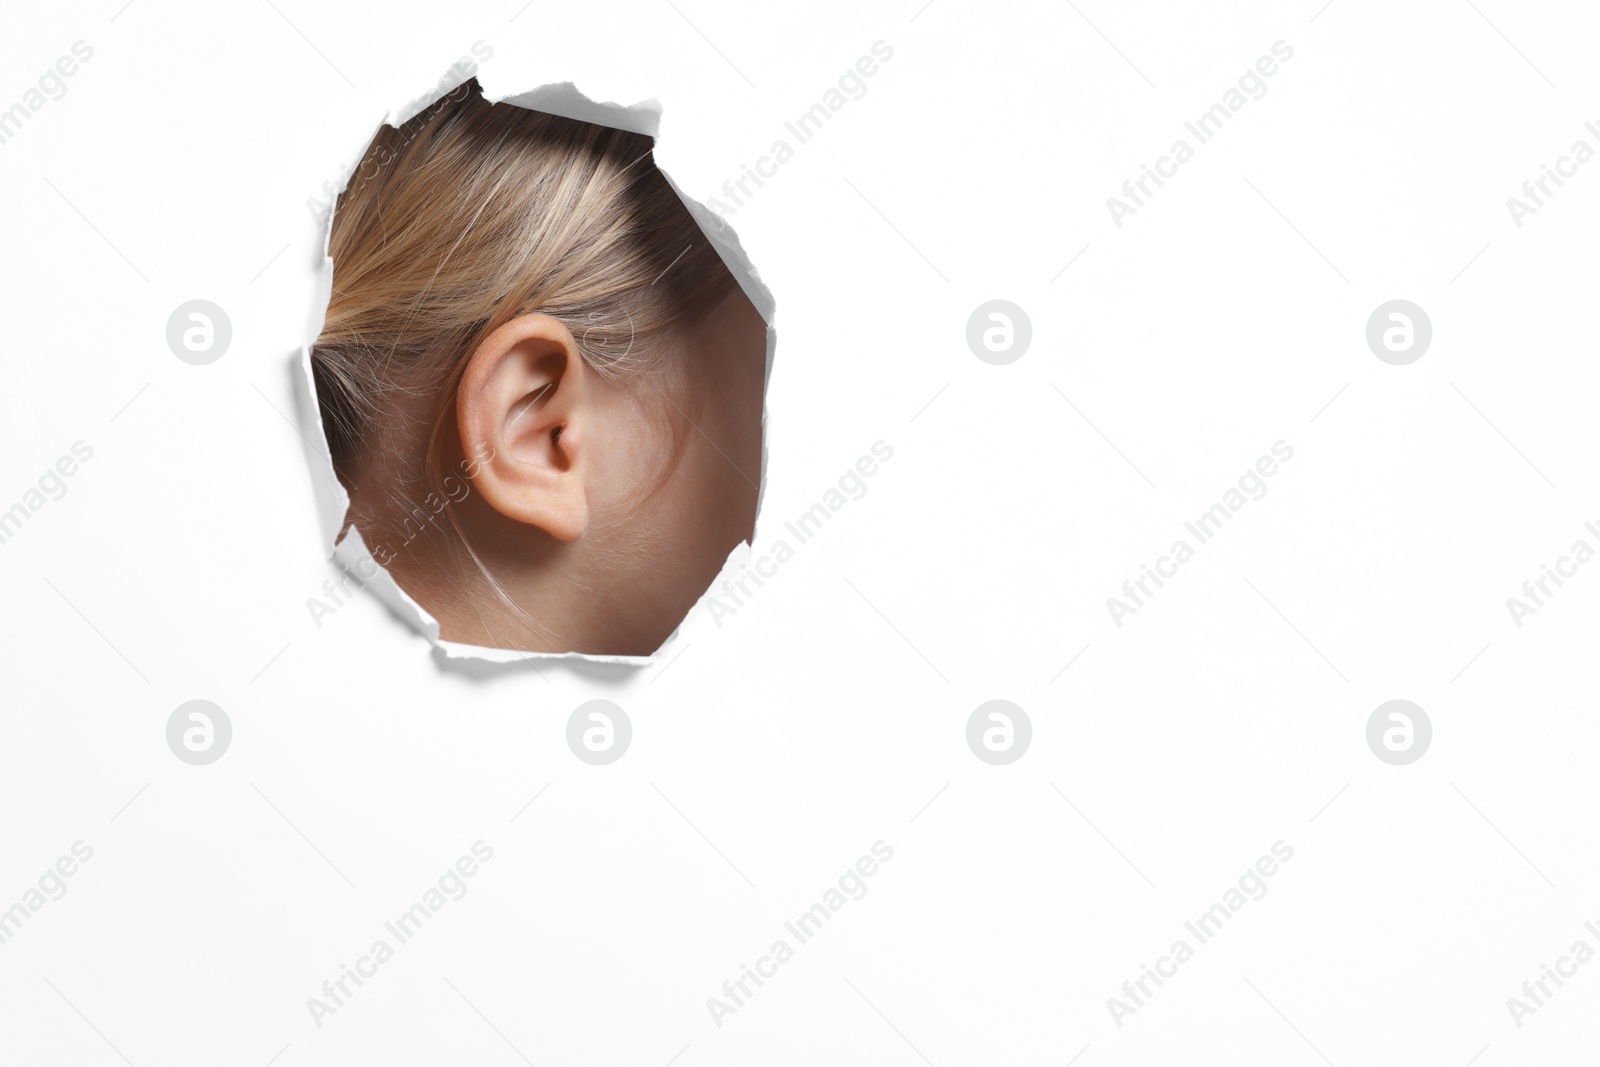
x=333, y=503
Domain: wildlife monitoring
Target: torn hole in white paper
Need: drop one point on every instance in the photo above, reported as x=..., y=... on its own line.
x=541, y=376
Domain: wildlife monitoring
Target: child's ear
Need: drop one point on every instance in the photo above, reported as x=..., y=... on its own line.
x=523, y=409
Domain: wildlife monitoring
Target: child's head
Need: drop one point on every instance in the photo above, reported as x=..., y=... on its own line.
x=541, y=386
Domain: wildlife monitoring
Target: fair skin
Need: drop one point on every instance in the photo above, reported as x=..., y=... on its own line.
x=602, y=508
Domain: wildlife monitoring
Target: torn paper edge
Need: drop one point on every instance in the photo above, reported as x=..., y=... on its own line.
x=333, y=503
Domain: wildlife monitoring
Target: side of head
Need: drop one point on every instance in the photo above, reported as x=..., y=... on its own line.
x=541, y=386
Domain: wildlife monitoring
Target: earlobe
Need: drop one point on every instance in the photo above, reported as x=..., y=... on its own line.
x=521, y=408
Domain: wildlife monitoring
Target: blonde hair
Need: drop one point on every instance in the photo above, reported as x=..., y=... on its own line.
x=463, y=218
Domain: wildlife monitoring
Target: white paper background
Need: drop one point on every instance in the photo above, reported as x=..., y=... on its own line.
x=830, y=711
